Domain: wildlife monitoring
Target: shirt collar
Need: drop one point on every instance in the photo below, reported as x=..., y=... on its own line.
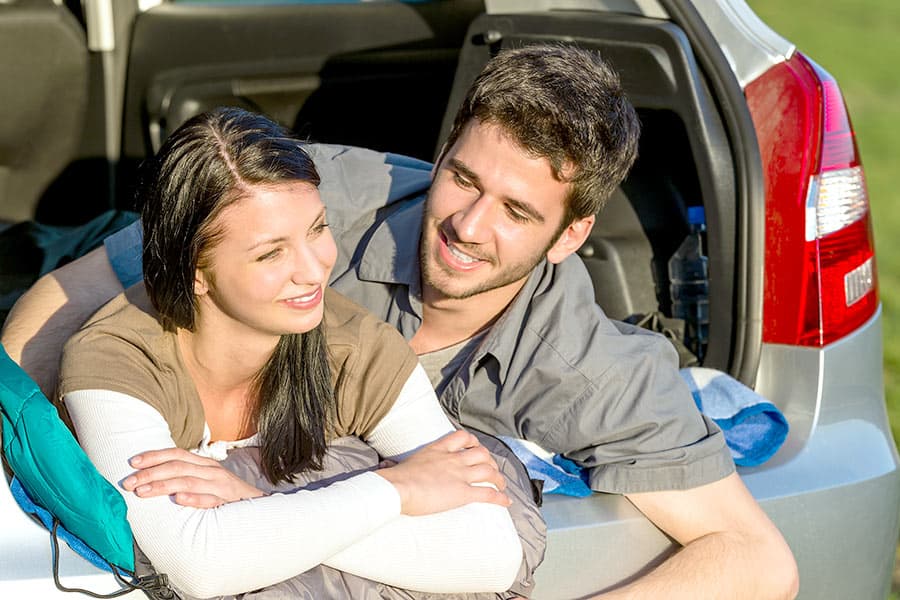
x=392, y=251
x=506, y=332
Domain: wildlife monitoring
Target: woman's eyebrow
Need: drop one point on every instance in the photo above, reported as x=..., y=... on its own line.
x=267, y=242
x=319, y=218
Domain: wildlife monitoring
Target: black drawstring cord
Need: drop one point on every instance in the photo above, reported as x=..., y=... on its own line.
x=155, y=586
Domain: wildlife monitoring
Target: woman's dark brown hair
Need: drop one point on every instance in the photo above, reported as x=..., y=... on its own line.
x=210, y=162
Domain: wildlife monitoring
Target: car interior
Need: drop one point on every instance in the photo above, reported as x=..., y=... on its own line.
x=381, y=79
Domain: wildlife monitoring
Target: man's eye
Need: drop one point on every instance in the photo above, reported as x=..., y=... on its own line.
x=462, y=181
x=517, y=216
x=269, y=255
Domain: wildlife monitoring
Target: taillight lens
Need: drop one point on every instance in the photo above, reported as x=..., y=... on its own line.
x=820, y=276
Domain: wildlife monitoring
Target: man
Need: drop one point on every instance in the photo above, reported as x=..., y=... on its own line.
x=481, y=280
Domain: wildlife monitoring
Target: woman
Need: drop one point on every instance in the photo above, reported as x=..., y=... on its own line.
x=244, y=346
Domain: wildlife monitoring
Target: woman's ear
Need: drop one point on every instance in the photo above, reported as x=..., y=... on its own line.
x=571, y=239
x=200, y=285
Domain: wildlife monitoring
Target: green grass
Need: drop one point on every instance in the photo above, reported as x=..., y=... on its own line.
x=857, y=43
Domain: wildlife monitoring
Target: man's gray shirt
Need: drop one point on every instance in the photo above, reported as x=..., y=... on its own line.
x=553, y=369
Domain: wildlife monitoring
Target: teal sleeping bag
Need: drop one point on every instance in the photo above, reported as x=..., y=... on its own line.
x=56, y=473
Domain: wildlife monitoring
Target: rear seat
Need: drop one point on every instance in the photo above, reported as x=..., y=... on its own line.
x=43, y=92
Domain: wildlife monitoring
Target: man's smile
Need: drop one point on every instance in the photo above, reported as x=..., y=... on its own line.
x=456, y=258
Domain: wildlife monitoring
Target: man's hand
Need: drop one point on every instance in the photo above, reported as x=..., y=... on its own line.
x=447, y=473
x=731, y=548
x=191, y=480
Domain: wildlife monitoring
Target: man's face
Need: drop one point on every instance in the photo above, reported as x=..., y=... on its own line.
x=492, y=214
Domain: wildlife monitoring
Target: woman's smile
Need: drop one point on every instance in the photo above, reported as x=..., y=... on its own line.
x=306, y=302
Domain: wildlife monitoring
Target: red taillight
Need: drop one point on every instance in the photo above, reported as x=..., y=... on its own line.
x=820, y=279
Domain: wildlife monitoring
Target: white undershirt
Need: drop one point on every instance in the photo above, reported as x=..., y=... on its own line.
x=353, y=525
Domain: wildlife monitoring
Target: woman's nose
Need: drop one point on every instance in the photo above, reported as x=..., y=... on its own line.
x=308, y=267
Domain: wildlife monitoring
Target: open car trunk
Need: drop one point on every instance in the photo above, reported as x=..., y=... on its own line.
x=382, y=79
x=685, y=160
x=385, y=85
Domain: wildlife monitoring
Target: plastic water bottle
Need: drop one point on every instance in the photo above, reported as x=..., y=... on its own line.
x=689, y=284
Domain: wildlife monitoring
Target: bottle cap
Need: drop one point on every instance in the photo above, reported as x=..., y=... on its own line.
x=696, y=215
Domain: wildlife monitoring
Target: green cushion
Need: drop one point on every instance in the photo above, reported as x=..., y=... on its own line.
x=56, y=472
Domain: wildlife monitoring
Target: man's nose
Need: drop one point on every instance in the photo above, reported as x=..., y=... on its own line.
x=472, y=223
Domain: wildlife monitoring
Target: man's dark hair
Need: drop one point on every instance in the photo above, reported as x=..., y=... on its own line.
x=210, y=162
x=565, y=104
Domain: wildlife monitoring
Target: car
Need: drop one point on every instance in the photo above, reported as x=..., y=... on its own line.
x=735, y=120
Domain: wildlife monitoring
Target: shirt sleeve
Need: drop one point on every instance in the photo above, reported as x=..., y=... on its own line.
x=124, y=250
x=415, y=419
x=211, y=552
x=637, y=428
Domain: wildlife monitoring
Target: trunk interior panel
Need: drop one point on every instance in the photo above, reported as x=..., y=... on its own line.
x=684, y=159
x=379, y=80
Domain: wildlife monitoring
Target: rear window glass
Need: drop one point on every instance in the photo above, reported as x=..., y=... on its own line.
x=278, y=2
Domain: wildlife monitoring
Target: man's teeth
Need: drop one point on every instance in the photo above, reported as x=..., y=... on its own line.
x=465, y=258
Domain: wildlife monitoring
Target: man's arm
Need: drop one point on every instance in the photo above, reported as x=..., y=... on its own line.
x=52, y=310
x=731, y=548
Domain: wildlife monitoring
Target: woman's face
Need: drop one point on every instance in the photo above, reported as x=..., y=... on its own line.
x=269, y=266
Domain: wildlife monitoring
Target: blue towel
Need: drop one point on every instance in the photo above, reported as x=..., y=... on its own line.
x=559, y=474
x=754, y=430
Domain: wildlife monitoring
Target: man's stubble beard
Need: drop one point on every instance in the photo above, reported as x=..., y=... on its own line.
x=500, y=279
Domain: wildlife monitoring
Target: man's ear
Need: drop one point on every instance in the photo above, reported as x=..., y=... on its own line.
x=201, y=287
x=571, y=239
x=437, y=163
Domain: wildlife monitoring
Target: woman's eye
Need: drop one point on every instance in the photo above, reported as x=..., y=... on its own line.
x=318, y=229
x=269, y=255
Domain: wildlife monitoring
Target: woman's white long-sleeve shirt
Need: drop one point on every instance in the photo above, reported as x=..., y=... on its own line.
x=353, y=525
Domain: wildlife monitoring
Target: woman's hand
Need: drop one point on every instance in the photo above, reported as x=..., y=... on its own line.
x=447, y=473
x=191, y=480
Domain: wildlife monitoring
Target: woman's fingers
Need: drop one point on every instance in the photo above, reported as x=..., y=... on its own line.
x=489, y=495
x=467, y=448
x=173, y=485
x=157, y=457
x=168, y=473
x=488, y=474
x=477, y=456
x=197, y=500
x=205, y=481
